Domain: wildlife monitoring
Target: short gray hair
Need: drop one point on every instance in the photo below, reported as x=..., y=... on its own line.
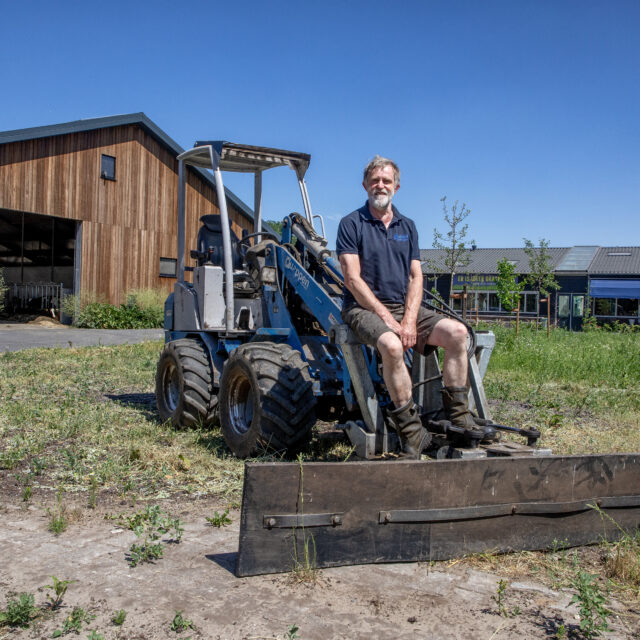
x=379, y=162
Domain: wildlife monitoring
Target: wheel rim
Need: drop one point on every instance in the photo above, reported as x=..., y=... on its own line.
x=171, y=387
x=240, y=405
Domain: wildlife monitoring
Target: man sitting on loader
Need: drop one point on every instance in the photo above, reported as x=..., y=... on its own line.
x=380, y=258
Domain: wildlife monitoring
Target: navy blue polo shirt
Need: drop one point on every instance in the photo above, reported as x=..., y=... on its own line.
x=385, y=253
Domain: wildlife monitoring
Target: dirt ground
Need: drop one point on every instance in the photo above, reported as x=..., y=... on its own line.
x=196, y=576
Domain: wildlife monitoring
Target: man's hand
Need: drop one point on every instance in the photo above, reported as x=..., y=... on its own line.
x=409, y=332
x=412, y=305
x=390, y=321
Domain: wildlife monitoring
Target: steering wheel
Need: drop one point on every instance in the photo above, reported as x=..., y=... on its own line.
x=243, y=245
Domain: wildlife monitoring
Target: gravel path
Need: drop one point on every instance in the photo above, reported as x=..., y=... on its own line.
x=15, y=337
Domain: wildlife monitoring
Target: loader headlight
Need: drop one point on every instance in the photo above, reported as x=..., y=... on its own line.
x=268, y=275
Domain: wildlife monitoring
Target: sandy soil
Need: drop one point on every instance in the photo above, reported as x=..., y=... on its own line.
x=196, y=576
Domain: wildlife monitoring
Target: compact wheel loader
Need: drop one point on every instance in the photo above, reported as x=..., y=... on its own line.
x=256, y=339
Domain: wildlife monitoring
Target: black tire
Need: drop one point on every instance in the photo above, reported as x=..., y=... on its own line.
x=184, y=384
x=266, y=399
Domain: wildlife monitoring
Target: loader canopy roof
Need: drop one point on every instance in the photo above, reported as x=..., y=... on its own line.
x=244, y=158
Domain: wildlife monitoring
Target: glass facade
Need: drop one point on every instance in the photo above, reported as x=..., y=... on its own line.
x=488, y=301
x=616, y=307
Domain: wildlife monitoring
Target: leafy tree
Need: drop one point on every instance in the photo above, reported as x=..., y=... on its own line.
x=540, y=267
x=453, y=242
x=507, y=285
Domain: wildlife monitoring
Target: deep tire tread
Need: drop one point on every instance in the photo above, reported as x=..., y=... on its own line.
x=197, y=401
x=286, y=401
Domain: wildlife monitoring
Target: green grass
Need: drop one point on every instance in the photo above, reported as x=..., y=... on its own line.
x=582, y=390
x=85, y=419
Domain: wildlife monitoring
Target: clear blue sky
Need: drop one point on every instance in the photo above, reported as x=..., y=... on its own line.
x=527, y=110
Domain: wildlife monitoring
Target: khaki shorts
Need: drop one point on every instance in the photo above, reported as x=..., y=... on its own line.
x=368, y=327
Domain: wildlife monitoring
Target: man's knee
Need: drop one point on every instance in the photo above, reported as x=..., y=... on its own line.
x=459, y=332
x=390, y=346
x=449, y=333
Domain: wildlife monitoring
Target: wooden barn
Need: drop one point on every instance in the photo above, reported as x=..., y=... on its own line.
x=90, y=207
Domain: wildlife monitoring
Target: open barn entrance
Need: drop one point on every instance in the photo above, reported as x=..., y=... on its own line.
x=38, y=259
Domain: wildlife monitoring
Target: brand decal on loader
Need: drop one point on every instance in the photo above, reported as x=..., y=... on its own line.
x=296, y=274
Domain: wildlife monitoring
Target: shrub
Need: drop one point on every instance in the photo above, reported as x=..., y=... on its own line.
x=101, y=315
x=147, y=298
x=144, y=309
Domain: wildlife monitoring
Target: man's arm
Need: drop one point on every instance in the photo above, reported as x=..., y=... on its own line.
x=412, y=305
x=350, y=263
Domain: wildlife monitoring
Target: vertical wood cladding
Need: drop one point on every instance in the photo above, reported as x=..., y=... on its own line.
x=129, y=223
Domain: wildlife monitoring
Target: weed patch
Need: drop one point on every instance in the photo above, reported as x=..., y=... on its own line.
x=58, y=590
x=119, y=617
x=219, y=519
x=304, y=564
x=58, y=516
x=292, y=632
x=20, y=611
x=622, y=558
x=149, y=526
x=180, y=623
x=73, y=623
x=592, y=604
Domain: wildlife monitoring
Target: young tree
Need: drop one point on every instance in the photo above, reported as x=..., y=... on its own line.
x=540, y=268
x=507, y=285
x=453, y=242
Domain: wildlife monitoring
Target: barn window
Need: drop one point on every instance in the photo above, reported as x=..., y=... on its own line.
x=168, y=267
x=108, y=167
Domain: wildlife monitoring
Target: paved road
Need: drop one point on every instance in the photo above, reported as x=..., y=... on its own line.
x=14, y=337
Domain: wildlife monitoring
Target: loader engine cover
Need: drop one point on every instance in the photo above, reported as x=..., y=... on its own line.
x=207, y=283
x=412, y=511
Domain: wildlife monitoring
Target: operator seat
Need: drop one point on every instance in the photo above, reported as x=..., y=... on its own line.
x=209, y=243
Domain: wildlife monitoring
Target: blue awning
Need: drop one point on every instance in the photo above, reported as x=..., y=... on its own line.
x=615, y=289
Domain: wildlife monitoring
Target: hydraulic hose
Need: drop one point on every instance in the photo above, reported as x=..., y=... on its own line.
x=429, y=299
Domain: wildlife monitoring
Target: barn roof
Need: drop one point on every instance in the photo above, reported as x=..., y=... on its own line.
x=140, y=119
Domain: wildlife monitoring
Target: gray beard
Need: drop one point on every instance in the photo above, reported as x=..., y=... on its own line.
x=380, y=202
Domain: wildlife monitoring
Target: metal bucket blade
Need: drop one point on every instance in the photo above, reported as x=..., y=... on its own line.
x=330, y=514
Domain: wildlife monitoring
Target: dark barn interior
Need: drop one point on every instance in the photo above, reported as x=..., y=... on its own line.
x=37, y=257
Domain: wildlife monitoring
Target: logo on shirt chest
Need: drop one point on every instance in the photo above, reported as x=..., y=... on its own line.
x=401, y=237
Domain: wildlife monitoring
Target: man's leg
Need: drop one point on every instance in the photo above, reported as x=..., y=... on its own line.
x=371, y=330
x=394, y=370
x=451, y=335
x=406, y=419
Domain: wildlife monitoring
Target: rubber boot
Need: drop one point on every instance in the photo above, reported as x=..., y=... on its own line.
x=456, y=405
x=414, y=438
